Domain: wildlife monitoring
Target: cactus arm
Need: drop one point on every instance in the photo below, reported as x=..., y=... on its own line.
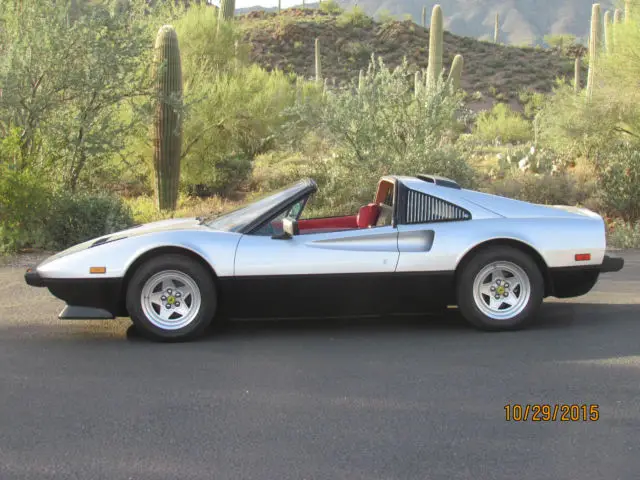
x=455, y=74
x=436, y=39
x=594, y=47
x=318, y=62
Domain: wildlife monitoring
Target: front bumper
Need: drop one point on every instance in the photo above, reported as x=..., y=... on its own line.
x=611, y=264
x=85, y=297
x=33, y=279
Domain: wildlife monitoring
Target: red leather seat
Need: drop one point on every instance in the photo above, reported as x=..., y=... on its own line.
x=368, y=215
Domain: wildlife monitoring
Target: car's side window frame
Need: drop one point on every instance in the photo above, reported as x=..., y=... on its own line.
x=462, y=214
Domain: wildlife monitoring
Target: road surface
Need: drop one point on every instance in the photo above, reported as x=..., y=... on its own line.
x=389, y=398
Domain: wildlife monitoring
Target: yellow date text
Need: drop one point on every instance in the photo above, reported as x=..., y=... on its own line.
x=559, y=412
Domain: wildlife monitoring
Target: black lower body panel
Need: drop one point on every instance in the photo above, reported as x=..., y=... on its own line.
x=280, y=296
x=335, y=294
x=97, y=293
x=573, y=281
x=611, y=264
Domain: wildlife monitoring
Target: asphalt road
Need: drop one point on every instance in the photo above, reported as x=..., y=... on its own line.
x=392, y=398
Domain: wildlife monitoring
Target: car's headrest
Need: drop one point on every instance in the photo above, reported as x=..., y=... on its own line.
x=368, y=215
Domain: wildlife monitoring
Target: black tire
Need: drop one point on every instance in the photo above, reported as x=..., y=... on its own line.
x=186, y=266
x=465, y=281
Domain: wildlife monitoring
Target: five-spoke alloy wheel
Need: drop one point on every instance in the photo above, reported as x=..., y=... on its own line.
x=171, y=297
x=500, y=288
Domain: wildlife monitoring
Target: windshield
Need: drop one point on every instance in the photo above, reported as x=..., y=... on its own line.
x=240, y=218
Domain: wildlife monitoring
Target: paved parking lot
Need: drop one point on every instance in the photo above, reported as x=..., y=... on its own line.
x=387, y=398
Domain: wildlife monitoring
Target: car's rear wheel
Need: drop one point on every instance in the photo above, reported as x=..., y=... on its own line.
x=500, y=288
x=171, y=298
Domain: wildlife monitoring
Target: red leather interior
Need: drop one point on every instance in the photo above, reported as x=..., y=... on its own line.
x=368, y=215
x=329, y=223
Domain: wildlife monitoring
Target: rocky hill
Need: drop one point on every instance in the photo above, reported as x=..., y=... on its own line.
x=286, y=41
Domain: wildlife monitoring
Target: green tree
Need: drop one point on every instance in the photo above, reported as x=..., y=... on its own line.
x=73, y=80
x=386, y=128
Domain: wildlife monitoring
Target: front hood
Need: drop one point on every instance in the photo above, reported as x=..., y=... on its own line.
x=159, y=226
x=153, y=227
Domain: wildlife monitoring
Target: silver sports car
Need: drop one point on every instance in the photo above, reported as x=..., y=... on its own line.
x=422, y=243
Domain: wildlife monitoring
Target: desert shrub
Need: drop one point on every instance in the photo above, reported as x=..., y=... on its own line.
x=70, y=118
x=502, y=123
x=355, y=17
x=34, y=216
x=24, y=206
x=206, y=46
x=274, y=170
x=528, y=158
x=619, y=184
x=561, y=189
x=623, y=234
x=385, y=16
x=575, y=128
x=236, y=118
x=385, y=128
x=380, y=128
x=75, y=218
x=331, y=7
x=144, y=208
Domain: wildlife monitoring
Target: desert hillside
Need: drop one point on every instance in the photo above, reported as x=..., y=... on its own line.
x=286, y=41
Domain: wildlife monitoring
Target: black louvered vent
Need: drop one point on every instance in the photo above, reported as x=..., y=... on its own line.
x=422, y=208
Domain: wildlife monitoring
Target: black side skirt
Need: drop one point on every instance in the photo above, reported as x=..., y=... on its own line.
x=335, y=294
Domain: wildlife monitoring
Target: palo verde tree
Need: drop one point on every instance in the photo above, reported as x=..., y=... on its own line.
x=68, y=75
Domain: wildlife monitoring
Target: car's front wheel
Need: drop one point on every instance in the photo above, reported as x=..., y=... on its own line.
x=171, y=298
x=500, y=288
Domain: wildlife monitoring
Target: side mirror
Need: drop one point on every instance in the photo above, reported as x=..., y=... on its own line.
x=290, y=229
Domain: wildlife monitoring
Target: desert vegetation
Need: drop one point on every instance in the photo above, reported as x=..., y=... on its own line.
x=114, y=113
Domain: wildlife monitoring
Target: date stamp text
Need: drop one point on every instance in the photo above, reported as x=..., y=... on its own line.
x=559, y=412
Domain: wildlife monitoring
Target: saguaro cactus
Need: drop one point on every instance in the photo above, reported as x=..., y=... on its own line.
x=279, y=5
x=617, y=16
x=424, y=17
x=594, y=47
x=455, y=74
x=496, y=29
x=227, y=9
x=417, y=83
x=168, y=129
x=577, y=73
x=608, y=32
x=627, y=11
x=436, y=39
x=318, y=62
